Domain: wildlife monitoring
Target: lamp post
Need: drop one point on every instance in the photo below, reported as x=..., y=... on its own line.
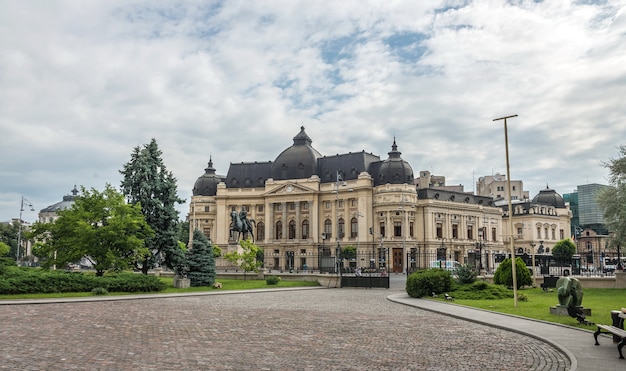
x=508, y=181
x=19, y=230
x=336, y=191
x=441, y=253
x=532, y=249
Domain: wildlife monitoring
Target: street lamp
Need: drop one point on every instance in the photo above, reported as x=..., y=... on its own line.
x=19, y=230
x=532, y=249
x=441, y=252
x=508, y=181
x=338, y=179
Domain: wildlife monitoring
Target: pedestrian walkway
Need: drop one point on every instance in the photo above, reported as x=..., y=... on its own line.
x=577, y=344
x=311, y=328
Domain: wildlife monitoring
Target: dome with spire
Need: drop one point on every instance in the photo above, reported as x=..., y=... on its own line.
x=298, y=161
x=68, y=201
x=206, y=184
x=395, y=170
x=549, y=196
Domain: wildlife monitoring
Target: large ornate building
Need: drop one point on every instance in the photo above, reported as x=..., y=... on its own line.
x=307, y=206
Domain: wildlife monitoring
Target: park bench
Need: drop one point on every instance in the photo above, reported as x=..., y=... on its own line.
x=617, y=331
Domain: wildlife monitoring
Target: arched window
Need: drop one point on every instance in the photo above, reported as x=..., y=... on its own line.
x=305, y=229
x=292, y=229
x=279, y=230
x=342, y=228
x=328, y=228
x=260, y=231
x=354, y=227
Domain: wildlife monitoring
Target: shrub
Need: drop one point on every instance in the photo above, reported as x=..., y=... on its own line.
x=504, y=274
x=272, y=280
x=423, y=283
x=466, y=274
x=482, y=291
x=98, y=291
x=21, y=280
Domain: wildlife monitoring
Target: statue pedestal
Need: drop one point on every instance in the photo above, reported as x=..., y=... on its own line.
x=561, y=310
x=620, y=279
x=181, y=283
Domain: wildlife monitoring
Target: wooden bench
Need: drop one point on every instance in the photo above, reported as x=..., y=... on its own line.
x=620, y=333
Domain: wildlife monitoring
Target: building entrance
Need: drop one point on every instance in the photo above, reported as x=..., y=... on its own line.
x=398, y=260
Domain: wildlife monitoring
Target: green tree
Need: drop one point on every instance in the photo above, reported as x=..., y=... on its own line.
x=247, y=259
x=504, y=274
x=100, y=227
x=348, y=252
x=4, y=249
x=612, y=200
x=148, y=182
x=8, y=234
x=563, y=250
x=200, y=261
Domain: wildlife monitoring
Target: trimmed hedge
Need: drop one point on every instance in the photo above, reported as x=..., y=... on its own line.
x=19, y=280
x=424, y=283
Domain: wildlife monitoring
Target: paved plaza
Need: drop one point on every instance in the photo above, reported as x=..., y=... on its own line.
x=311, y=329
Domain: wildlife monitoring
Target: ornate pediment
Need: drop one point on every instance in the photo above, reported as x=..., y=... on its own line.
x=288, y=189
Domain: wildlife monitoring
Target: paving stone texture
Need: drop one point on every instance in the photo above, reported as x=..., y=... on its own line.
x=319, y=329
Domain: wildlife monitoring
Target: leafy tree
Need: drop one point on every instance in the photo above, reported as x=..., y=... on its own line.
x=247, y=259
x=612, y=200
x=466, y=274
x=183, y=232
x=504, y=274
x=200, y=261
x=348, y=252
x=8, y=234
x=564, y=250
x=100, y=227
x=148, y=183
x=4, y=249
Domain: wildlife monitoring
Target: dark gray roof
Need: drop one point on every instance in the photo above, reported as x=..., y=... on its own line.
x=68, y=201
x=206, y=184
x=452, y=196
x=301, y=161
x=394, y=170
x=549, y=197
x=248, y=174
x=349, y=165
x=298, y=161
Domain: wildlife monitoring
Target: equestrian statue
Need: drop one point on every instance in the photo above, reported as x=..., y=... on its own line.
x=241, y=223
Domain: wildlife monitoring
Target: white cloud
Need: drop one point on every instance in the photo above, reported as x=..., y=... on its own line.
x=82, y=84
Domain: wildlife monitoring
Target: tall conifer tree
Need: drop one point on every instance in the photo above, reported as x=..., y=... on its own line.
x=148, y=182
x=200, y=261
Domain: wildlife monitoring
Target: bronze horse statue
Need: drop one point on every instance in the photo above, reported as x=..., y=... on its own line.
x=242, y=224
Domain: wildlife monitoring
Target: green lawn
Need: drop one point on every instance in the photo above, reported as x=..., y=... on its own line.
x=600, y=301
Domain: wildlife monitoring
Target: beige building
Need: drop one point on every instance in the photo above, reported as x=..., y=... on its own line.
x=496, y=186
x=307, y=206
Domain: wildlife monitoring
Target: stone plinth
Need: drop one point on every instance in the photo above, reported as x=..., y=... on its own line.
x=561, y=310
x=620, y=279
x=181, y=283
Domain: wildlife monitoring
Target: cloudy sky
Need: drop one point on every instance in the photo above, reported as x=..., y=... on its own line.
x=83, y=83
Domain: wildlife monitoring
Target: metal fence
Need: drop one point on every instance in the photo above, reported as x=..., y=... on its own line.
x=407, y=261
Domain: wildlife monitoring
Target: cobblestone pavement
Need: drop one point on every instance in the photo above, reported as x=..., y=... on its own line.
x=322, y=329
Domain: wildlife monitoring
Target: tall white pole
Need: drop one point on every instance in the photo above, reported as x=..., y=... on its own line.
x=508, y=182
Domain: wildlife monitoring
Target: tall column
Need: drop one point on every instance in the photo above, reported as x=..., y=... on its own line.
x=298, y=226
x=285, y=221
x=269, y=226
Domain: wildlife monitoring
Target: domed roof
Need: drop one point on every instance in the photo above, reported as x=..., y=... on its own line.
x=395, y=170
x=206, y=185
x=298, y=161
x=549, y=197
x=68, y=201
